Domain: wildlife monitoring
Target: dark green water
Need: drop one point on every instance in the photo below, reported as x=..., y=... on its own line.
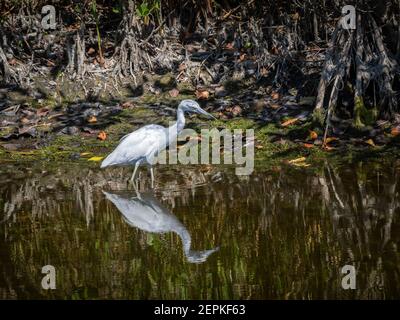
x=282, y=233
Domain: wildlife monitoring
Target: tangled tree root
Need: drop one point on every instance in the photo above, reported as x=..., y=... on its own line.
x=141, y=47
x=359, y=68
x=76, y=53
x=8, y=74
x=5, y=67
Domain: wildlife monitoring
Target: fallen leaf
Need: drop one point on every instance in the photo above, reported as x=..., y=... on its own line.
x=308, y=145
x=95, y=159
x=289, y=122
x=395, y=131
x=202, y=94
x=370, y=142
x=331, y=139
x=84, y=154
x=102, y=136
x=91, y=51
x=313, y=135
x=92, y=119
x=298, y=160
x=174, y=93
x=275, y=95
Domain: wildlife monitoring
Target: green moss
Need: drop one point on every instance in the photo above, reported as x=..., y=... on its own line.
x=359, y=111
x=319, y=116
x=362, y=115
x=4, y=131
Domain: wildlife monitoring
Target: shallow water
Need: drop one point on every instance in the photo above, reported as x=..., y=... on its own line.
x=203, y=233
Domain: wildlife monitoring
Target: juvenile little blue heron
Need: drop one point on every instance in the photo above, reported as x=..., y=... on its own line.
x=144, y=144
x=146, y=213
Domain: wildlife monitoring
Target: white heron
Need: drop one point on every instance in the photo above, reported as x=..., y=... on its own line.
x=146, y=213
x=144, y=144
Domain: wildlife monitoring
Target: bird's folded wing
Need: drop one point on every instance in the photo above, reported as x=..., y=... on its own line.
x=137, y=145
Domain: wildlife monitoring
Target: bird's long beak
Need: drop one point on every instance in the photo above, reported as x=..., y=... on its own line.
x=208, y=115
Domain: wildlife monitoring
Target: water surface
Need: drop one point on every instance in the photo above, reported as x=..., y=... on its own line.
x=203, y=233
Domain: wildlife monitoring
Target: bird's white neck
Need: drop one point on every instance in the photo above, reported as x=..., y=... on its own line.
x=186, y=239
x=180, y=121
x=178, y=126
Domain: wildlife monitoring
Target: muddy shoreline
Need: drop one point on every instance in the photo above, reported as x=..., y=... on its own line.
x=60, y=126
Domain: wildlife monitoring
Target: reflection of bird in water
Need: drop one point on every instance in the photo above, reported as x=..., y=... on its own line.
x=146, y=213
x=144, y=144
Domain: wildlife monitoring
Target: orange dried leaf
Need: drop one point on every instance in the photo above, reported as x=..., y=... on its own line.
x=289, y=122
x=308, y=145
x=313, y=135
x=202, y=94
x=395, y=131
x=102, y=136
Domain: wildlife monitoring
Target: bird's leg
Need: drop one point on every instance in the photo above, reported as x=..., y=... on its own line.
x=152, y=177
x=134, y=172
x=135, y=186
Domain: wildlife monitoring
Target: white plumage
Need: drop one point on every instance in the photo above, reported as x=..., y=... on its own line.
x=146, y=213
x=144, y=144
x=141, y=144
